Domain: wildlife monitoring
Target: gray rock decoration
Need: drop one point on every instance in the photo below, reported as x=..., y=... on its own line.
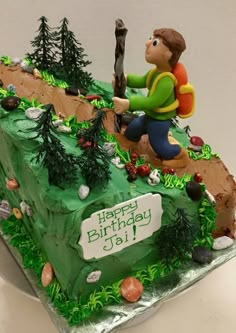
x=33, y=113
x=83, y=191
x=64, y=129
x=57, y=122
x=94, y=277
x=222, y=243
x=15, y=61
x=11, y=88
x=109, y=148
x=5, y=210
x=26, y=67
x=25, y=208
x=202, y=255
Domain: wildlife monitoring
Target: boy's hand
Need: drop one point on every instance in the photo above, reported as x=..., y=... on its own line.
x=120, y=105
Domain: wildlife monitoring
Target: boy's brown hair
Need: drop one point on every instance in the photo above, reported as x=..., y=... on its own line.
x=174, y=41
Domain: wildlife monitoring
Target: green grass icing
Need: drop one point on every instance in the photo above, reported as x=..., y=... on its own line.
x=75, y=311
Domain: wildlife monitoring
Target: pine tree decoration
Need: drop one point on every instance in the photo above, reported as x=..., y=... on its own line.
x=176, y=240
x=61, y=166
x=187, y=130
x=71, y=58
x=44, y=55
x=94, y=161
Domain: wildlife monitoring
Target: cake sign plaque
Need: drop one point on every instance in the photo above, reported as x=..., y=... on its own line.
x=112, y=229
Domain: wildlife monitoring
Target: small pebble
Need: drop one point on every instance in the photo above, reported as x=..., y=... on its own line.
x=37, y=74
x=72, y=91
x=194, y=190
x=15, y=61
x=64, y=129
x=23, y=206
x=10, y=103
x=131, y=289
x=26, y=68
x=5, y=209
x=11, y=88
x=83, y=191
x=47, y=274
x=222, y=243
x=94, y=277
x=17, y=213
x=33, y=113
x=12, y=184
x=58, y=122
x=202, y=255
x=29, y=211
x=109, y=148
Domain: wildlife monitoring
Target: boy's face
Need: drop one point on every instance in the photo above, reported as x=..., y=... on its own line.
x=157, y=53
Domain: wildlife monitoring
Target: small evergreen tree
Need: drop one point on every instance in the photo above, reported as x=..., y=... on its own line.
x=71, y=58
x=187, y=130
x=61, y=166
x=176, y=240
x=60, y=38
x=43, y=56
x=94, y=161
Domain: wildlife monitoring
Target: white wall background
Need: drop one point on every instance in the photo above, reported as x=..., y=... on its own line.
x=209, y=28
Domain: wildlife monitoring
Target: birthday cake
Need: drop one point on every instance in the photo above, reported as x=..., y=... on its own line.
x=96, y=215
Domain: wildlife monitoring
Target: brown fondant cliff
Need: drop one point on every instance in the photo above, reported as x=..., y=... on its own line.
x=216, y=176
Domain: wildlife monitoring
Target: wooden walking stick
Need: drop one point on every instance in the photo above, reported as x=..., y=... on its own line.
x=120, y=82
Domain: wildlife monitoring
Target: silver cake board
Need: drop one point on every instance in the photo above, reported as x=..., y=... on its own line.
x=112, y=317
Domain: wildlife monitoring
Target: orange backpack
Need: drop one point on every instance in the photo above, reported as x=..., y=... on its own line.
x=184, y=92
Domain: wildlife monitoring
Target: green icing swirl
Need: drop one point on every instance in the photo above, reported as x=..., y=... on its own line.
x=100, y=104
x=6, y=60
x=172, y=181
x=205, y=154
x=207, y=215
x=52, y=81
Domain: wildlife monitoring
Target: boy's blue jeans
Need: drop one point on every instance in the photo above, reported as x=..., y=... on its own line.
x=157, y=131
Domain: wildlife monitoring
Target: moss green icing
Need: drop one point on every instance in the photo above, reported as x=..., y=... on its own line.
x=55, y=224
x=76, y=311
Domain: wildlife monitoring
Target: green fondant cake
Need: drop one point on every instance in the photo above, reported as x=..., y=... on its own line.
x=94, y=237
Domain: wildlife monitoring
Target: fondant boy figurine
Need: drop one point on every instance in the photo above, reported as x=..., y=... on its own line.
x=163, y=50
